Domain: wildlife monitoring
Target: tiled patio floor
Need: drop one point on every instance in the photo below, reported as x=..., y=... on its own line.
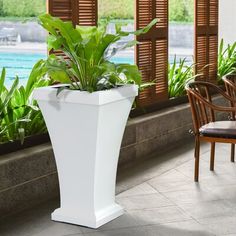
x=165, y=201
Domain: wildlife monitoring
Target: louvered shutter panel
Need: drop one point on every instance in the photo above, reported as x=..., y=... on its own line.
x=87, y=12
x=206, y=39
x=80, y=12
x=152, y=52
x=61, y=9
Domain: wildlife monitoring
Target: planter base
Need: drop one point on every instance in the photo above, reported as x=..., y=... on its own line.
x=75, y=217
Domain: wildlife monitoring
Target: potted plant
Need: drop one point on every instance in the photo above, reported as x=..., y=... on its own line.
x=226, y=60
x=179, y=73
x=86, y=116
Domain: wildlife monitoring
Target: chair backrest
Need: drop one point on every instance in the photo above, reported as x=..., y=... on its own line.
x=200, y=98
x=230, y=85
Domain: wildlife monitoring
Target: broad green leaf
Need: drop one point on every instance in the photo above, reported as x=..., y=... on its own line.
x=54, y=42
x=87, y=48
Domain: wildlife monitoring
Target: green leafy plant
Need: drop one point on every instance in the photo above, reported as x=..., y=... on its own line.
x=19, y=114
x=25, y=8
x=119, y=9
x=226, y=60
x=88, y=50
x=181, y=10
x=178, y=75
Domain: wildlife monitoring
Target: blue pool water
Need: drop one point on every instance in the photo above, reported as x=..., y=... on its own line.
x=20, y=64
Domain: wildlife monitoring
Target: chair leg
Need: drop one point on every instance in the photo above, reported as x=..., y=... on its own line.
x=212, y=161
x=197, y=151
x=232, y=152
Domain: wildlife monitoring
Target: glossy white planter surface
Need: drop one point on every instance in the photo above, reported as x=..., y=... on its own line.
x=86, y=131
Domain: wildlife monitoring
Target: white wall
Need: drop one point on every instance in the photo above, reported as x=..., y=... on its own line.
x=227, y=21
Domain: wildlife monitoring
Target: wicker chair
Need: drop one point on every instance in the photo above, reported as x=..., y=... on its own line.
x=206, y=127
x=230, y=85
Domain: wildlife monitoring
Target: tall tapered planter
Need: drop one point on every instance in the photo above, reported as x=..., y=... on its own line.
x=86, y=131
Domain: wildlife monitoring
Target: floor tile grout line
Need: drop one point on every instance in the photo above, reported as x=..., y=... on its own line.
x=129, y=227
x=166, y=173
x=159, y=174
x=153, y=177
x=199, y=218
x=178, y=207
x=185, y=175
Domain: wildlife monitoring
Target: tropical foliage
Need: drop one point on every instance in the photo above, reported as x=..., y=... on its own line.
x=120, y=9
x=178, y=75
x=19, y=114
x=179, y=10
x=25, y=8
x=88, y=50
x=226, y=59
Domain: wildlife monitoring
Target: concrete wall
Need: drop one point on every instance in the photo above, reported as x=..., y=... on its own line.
x=227, y=23
x=27, y=178
x=181, y=35
x=29, y=31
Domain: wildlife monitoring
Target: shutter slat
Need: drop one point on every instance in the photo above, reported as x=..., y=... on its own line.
x=152, y=52
x=61, y=9
x=80, y=12
x=206, y=39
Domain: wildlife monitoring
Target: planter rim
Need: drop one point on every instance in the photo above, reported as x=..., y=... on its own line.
x=49, y=93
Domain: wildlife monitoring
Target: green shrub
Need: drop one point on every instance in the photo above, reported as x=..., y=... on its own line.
x=181, y=10
x=119, y=9
x=1, y=8
x=178, y=75
x=19, y=114
x=226, y=60
x=23, y=8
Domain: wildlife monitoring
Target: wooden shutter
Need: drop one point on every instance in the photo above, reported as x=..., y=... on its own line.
x=60, y=8
x=80, y=12
x=206, y=38
x=152, y=52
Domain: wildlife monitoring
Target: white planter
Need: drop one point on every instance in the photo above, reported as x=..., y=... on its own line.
x=86, y=131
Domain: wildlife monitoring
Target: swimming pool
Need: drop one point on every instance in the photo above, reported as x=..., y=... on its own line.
x=20, y=64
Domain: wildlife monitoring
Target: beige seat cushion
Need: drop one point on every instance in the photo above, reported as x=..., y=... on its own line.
x=219, y=129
